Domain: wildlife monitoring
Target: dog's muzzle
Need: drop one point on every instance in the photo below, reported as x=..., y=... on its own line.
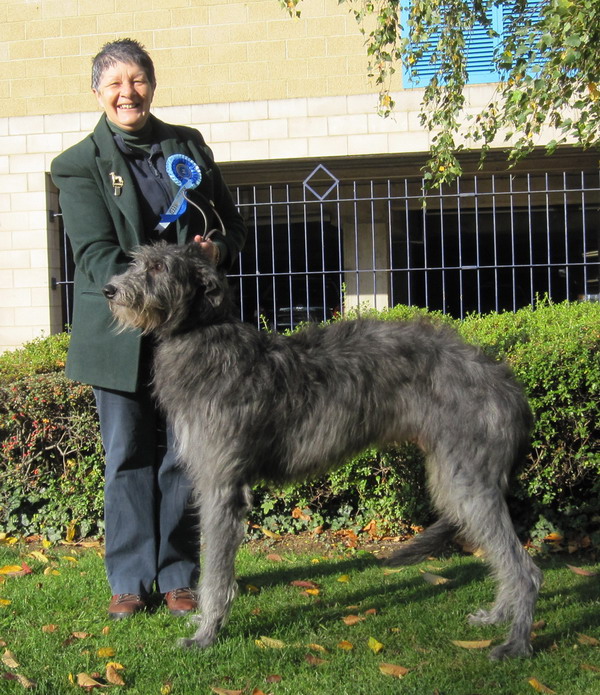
x=109, y=291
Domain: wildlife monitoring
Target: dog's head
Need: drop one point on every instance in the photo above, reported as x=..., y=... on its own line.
x=168, y=289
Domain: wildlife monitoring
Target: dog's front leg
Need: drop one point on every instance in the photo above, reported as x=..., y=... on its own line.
x=222, y=512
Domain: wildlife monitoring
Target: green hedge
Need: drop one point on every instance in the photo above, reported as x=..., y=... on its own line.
x=51, y=462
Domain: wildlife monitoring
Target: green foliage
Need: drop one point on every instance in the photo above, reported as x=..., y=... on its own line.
x=51, y=457
x=549, y=61
x=40, y=355
x=51, y=461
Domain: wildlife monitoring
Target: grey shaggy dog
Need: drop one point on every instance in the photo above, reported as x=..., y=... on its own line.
x=249, y=405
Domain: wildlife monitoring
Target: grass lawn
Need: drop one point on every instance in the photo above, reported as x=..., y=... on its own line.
x=53, y=623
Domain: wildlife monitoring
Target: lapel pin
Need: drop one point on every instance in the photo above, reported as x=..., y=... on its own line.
x=116, y=182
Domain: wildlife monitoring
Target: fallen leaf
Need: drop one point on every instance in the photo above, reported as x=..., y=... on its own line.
x=272, y=643
x=106, y=652
x=70, y=558
x=49, y=628
x=71, y=530
x=587, y=640
x=540, y=687
x=304, y=584
x=393, y=670
x=269, y=534
x=374, y=645
x=51, y=571
x=8, y=658
x=314, y=660
x=344, y=578
x=10, y=569
x=105, y=630
x=344, y=644
x=297, y=513
x=84, y=680
x=258, y=691
x=317, y=647
x=112, y=675
x=274, y=678
x=222, y=691
x=80, y=635
x=589, y=667
x=371, y=611
x=273, y=557
x=166, y=689
x=24, y=681
x=39, y=556
x=251, y=589
x=582, y=572
x=434, y=579
x=353, y=619
x=312, y=592
x=473, y=644
x=5, y=602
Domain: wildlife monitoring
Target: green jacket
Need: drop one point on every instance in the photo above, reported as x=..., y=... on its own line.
x=103, y=228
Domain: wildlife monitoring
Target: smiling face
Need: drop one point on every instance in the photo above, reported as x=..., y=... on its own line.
x=125, y=94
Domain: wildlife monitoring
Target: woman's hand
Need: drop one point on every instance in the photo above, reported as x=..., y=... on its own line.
x=210, y=249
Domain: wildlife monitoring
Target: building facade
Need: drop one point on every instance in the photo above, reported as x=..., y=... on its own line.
x=331, y=191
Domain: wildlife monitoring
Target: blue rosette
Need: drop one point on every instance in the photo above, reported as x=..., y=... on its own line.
x=184, y=172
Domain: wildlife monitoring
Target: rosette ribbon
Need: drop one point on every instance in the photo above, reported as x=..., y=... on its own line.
x=187, y=175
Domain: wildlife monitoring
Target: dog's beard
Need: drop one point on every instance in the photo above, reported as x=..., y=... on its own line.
x=147, y=319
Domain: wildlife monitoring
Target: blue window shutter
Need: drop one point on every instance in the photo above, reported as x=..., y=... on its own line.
x=480, y=50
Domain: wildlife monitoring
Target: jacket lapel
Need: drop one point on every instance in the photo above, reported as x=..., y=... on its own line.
x=111, y=164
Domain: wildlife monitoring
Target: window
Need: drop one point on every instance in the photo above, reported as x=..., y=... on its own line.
x=480, y=47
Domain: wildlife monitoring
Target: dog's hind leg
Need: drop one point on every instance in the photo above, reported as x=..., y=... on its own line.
x=222, y=512
x=428, y=542
x=485, y=521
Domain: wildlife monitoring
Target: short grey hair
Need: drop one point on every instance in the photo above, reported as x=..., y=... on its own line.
x=122, y=51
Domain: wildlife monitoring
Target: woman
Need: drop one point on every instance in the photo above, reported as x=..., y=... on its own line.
x=115, y=188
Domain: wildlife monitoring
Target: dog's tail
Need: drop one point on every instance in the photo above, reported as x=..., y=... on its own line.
x=428, y=542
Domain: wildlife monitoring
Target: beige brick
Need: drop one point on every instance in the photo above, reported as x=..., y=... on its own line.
x=230, y=55
x=43, y=67
x=13, y=183
x=13, y=107
x=47, y=104
x=15, y=298
x=288, y=148
x=179, y=39
x=268, y=130
x=222, y=151
x=4, y=197
x=59, y=123
x=196, y=57
x=228, y=92
x=229, y=13
x=409, y=142
x=23, y=11
x=248, y=110
x=13, y=144
x=29, y=277
x=59, y=8
x=61, y=46
x=211, y=113
x=40, y=29
x=195, y=17
x=367, y=144
x=347, y=125
x=270, y=51
x=207, y=36
x=327, y=106
x=13, y=31
x=21, y=50
x=265, y=10
x=395, y=123
x=249, y=151
x=114, y=23
x=230, y=132
x=283, y=28
x=305, y=48
x=328, y=147
x=28, y=88
x=313, y=86
x=151, y=19
x=77, y=26
x=321, y=66
x=347, y=85
x=307, y=127
x=345, y=45
x=31, y=316
x=95, y=7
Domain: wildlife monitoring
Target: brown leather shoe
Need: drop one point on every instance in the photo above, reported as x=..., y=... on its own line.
x=181, y=601
x=125, y=605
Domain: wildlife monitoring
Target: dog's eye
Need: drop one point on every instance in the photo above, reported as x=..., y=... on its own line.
x=158, y=267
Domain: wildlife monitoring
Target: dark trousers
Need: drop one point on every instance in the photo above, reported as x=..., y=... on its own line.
x=151, y=530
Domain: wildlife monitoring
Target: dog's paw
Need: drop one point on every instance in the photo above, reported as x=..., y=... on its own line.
x=510, y=650
x=481, y=617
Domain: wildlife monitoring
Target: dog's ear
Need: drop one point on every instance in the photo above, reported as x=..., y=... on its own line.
x=214, y=292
